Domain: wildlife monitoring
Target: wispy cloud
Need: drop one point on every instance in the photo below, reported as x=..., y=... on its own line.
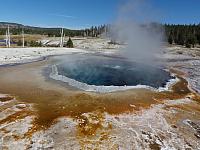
x=62, y=15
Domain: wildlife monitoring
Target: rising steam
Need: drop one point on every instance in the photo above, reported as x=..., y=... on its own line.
x=135, y=26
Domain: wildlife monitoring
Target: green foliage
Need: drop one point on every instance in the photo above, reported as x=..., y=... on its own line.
x=35, y=44
x=188, y=35
x=25, y=43
x=19, y=43
x=180, y=39
x=170, y=39
x=187, y=44
x=16, y=29
x=69, y=43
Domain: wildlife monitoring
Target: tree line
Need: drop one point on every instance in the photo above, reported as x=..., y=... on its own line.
x=42, y=31
x=94, y=31
x=185, y=35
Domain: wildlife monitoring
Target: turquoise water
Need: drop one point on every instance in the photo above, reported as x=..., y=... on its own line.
x=113, y=72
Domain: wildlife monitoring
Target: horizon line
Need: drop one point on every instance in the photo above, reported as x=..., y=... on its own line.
x=82, y=28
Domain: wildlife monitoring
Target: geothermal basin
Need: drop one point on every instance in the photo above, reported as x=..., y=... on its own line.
x=52, y=104
x=108, y=74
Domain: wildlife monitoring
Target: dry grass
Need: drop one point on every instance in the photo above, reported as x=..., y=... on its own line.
x=28, y=37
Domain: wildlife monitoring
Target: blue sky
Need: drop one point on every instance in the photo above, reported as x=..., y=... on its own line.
x=85, y=13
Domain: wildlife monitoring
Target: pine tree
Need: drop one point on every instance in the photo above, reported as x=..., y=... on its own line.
x=180, y=39
x=25, y=43
x=198, y=38
x=70, y=43
x=188, y=43
x=170, y=39
x=19, y=43
x=188, y=35
x=40, y=44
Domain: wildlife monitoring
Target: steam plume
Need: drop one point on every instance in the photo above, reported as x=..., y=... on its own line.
x=134, y=26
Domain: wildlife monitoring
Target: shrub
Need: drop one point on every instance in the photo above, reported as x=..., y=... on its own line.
x=70, y=43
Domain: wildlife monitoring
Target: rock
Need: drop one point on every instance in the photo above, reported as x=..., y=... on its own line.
x=197, y=135
x=174, y=126
x=21, y=106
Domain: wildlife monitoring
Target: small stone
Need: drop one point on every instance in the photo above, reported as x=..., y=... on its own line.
x=174, y=126
x=117, y=118
x=131, y=105
x=29, y=146
x=197, y=135
x=21, y=106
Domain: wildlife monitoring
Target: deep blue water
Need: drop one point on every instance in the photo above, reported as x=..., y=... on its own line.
x=113, y=72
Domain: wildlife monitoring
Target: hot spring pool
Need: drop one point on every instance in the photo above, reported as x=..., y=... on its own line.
x=109, y=74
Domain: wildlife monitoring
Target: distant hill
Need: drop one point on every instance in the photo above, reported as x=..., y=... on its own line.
x=16, y=28
x=11, y=25
x=17, y=25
